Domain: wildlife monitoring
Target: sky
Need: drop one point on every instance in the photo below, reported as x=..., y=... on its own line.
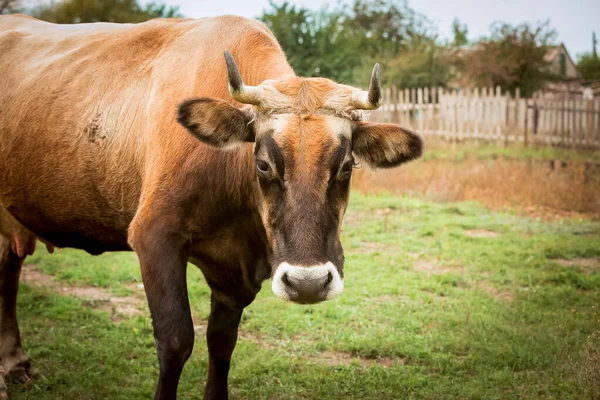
x=574, y=20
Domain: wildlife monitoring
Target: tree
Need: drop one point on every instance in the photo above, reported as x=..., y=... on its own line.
x=423, y=63
x=80, y=11
x=512, y=57
x=382, y=28
x=589, y=63
x=589, y=66
x=459, y=31
x=315, y=42
x=343, y=44
x=9, y=6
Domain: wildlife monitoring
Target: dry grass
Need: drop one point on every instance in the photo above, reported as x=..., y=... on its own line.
x=480, y=233
x=587, y=265
x=435, y=267
x=588, y=368
x=546, y=188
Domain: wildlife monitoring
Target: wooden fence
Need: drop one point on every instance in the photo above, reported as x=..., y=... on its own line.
x=487, y=114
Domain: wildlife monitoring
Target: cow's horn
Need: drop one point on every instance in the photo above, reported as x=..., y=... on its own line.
x=371, y=100
x=238, y=91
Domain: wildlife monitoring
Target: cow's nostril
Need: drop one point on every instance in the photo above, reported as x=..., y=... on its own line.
x=329, y=279
x=285, y=280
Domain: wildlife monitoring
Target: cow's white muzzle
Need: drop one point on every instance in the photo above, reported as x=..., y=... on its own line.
x=307, y=285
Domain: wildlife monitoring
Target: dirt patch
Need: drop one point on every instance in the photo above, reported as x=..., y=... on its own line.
x=342, y=358
x=434, y=267
x=351, y=220
x=374, y=247
x=556, y=214
x=328, y=357
x=587, y=264
x=334, y=358
x=477, y=233
x=128, y=306
x=268, y=343
x=494, y=292
x=587, y=367
x=392, y=299
x=200, y=325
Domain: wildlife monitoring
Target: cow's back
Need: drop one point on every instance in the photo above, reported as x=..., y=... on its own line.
x=87, y=117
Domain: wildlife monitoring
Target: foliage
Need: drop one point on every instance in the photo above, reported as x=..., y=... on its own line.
x=9, y=6
x=382, y=28
x=81, y=11
x=428, y=312
x=315, y=41
x=589, y=66
x=459, y=33
x=512, y=57
x=389, y=32
x=423, y=63
x=343, y=44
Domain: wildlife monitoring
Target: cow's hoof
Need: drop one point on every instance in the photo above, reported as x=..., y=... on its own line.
x=21, y=373
x=3, y=390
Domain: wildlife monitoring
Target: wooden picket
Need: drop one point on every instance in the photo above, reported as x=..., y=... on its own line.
x=488, y=114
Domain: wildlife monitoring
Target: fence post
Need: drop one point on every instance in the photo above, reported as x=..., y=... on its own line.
x=525, y=141
x=420, y=108
x=506, y=124
x=413, y=114
x=399, y=108
x=589, y=122
x=406, y=108
x=574, y=122
x=425, y=112
x=597, y=124
x=393, y=104
x=560, y=121
x=517, y=113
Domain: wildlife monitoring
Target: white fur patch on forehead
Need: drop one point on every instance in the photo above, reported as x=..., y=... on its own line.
x=339, y=126
x=279, y=122
x=335, y=125
x=276, y=123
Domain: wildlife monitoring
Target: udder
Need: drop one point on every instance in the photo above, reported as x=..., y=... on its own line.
x=22, y=240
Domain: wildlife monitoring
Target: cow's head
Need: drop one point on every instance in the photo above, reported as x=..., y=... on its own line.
x=308, y=135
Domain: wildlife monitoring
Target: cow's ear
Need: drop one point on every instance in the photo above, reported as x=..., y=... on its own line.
x=216, y=122
x=385, y=145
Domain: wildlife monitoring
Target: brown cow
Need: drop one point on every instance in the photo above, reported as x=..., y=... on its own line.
x=96, y=154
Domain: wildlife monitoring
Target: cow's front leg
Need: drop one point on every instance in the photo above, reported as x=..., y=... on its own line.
x=163, y=259
x=221, y=336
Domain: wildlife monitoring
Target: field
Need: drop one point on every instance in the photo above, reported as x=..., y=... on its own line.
x=442, y=301
x=541, y=180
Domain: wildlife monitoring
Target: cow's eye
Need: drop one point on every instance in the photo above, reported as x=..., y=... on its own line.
x=264, y=169
x=346, y=170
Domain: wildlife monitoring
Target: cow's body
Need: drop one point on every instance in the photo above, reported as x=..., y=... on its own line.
x=89, y=140
x=94, y=155
x=92, y=106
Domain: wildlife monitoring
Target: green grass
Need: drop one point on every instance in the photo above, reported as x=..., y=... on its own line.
x=428, y=312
